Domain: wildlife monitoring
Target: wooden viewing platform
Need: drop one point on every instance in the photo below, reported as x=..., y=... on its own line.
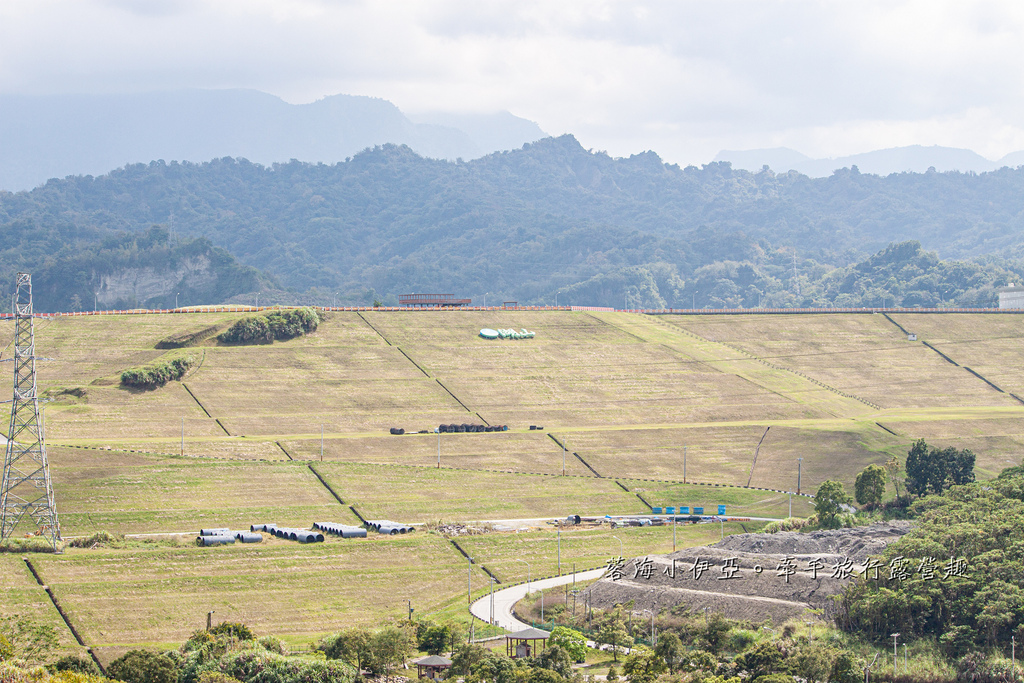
x=432, y=300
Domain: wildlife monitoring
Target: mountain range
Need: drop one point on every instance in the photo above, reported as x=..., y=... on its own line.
x=548, y=220
x=43, y=137
x=911, y=159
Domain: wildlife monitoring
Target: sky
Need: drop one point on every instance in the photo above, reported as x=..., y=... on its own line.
x=685, y=79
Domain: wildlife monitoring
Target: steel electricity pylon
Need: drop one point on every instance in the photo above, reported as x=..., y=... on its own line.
x=26, y=489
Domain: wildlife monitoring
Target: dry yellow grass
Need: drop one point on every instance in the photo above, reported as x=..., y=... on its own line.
x=503, y=451
x=425, y=494
x=298, y=591
x=133, y=493
x=864, y=355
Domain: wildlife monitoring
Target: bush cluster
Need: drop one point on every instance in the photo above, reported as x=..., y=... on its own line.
x=277, y=325
x=159, y=373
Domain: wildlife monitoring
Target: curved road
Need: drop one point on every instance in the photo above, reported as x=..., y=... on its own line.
x=506, y=598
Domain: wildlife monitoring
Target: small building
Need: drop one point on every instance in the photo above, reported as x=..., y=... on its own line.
x=1011, y=296
x=432, y=667
x=432, y=300
x=525, y=643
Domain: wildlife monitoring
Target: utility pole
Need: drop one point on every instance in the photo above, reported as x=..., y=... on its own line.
x=673, y=533
x=26, y=487
x=492, y=601
x=321, y=442
x=469, y=580
x=563, y=456
x=791, y=505
x=894, y=655
x=799, y=472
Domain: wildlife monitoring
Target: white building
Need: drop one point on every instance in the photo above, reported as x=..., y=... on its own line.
x=1011, y=297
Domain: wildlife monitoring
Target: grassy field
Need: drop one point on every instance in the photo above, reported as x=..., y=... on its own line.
x=134, y=493
x=427, y=494
x=864, y=355
x=507, y=555
x=22, y=597
x=626, y=392
x=296, y=591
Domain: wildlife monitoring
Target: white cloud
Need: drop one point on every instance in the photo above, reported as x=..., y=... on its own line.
x=682, y=78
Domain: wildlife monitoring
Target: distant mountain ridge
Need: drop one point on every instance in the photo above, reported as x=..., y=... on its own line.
x=913, y=159
x=43, y=137
x=551, y=219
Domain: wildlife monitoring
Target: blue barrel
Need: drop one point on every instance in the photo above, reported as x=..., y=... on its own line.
x=698, y=511
x=721, y=509
x=684, y=509
x=670, y=510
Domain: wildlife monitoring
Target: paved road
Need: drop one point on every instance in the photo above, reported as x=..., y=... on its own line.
x=506, y=598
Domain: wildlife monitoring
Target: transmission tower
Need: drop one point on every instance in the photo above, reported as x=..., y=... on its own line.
x=26, y=489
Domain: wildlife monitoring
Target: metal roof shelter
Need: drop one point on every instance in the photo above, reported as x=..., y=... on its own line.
x=432, y=667
x=446, y=300
x=523, y=643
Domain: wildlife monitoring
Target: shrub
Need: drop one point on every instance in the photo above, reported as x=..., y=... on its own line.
x=976, y=668
x=788, y=524
x=260, y=666
x=233, y=630
x=77, y=677
x=280, y=325
x=142, y=666
x=82, y=665
x=272, y=644
x=100, y=539
x=172, y=367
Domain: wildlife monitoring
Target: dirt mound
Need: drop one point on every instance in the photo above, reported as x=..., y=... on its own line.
x=749, y=576
x=857, y=543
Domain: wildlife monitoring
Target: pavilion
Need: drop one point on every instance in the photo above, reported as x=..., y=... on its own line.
x=524, y=643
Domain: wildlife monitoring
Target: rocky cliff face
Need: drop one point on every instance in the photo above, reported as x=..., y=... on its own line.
x=138, y=285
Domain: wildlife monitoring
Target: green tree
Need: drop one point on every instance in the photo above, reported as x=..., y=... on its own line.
x=930, y=470
x=828, y=502
x=613, y=673
x=845, y=668
x=893, y=469
x=614, y=633
x=351, y=645
x=764, y=658
x=142, y=666
x=437, y=638
x=869, y=488
x=670, y=649
x=555, y=659
x=643, y=665
x=571, y=641
x=388, y=648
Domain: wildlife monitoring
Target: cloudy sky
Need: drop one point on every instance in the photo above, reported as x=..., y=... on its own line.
x=685, y=79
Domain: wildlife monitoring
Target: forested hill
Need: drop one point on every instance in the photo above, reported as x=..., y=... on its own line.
x=554, y=217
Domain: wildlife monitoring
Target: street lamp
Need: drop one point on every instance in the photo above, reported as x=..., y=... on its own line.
x=894, y=652
x=529, y=573
x=620, y=544
x=176, y=299
x=799, y=472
